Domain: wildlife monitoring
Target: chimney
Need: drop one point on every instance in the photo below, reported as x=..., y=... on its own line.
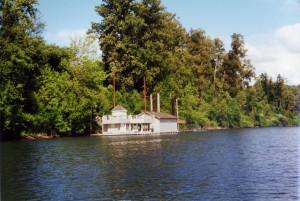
x=151, y=103
x=177, y=115
x=158, y=103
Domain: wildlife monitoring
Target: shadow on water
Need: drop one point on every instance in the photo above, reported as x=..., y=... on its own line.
x=245, y=164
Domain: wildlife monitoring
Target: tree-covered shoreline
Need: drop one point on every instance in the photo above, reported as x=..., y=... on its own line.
x=60, y=90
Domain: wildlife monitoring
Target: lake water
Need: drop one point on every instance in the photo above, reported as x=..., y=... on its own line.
x=238, y=164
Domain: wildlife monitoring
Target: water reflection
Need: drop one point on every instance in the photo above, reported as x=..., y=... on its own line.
x=242, y=164
x=138, y=165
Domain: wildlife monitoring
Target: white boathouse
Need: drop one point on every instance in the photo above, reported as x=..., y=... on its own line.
x=119, y=123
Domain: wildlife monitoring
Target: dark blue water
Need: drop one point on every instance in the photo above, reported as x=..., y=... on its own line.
x=241, y=164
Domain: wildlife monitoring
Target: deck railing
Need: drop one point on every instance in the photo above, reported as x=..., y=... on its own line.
x=108, y=119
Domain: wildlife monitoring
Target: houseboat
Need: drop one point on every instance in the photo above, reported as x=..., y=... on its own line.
x=120, y=123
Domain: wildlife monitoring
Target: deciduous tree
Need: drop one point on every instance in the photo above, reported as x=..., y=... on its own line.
x=21, y=47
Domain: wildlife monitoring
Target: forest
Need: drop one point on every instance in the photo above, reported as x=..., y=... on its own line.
x=61, y=90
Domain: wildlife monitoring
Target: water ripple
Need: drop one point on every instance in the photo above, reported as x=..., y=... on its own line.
x=241, y=164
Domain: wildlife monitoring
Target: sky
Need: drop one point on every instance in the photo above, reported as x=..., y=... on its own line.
x=271, y=28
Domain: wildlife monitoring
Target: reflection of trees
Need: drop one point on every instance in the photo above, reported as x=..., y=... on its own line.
x=138, y=165
x=22, y=164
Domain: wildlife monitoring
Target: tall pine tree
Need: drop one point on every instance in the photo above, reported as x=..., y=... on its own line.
x=137, y=38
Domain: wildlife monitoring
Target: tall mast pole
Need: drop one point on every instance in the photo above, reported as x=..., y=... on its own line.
x=177, y=115
x=114, y=83
x=145, y=101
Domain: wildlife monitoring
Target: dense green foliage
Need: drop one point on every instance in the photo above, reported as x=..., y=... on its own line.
x=45, y=88
x=21, y=63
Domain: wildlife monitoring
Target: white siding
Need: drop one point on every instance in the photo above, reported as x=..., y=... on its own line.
x=156, y=126
x=123, y=128
x=119, y=113
x=116, y=128
x=165, y=125
x=168, y=125
x=112, y=128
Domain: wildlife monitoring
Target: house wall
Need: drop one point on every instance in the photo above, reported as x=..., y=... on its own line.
x=168, y=125
x=112, y=128
x=119, y=113
x=156, y=126
x=116, y=128
x=122, y=128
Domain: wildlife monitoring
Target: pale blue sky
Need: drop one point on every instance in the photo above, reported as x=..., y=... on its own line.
x=271, y=27
x=219, y=18
x=224, y=17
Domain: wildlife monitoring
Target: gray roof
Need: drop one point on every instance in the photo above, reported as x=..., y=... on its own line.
x=162, y=115
x=118, y=108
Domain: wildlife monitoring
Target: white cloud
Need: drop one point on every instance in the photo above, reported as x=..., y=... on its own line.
x=63, y=37
x=291, y=3
x=277, y=53
x=289, y=36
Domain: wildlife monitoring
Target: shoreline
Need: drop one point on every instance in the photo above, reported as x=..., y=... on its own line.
x=36, y=136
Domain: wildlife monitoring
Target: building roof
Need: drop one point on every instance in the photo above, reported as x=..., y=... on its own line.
x=118, y=108
x=162, y=115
